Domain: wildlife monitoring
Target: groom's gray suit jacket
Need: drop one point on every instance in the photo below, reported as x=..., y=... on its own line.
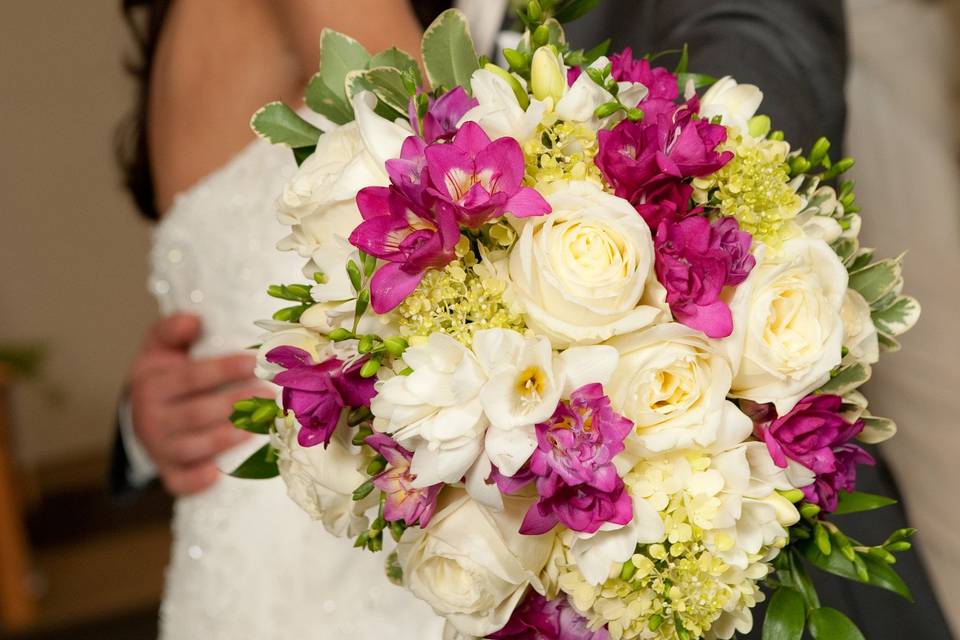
x=796, y=51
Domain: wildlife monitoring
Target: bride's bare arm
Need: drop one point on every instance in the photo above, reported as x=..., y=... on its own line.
x=376, y=24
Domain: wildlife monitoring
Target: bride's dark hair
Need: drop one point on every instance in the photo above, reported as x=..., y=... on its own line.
x=145, y=20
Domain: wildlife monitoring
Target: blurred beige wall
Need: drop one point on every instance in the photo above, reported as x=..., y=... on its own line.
x=72, y=251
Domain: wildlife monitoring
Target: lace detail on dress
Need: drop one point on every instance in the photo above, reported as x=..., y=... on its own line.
x=246, y=562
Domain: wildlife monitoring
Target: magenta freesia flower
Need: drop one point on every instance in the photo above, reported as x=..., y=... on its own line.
x=695, y=260
x=481, y=179
x=403, y=500
x=639, y=158
x=573, y=466
x=537, y=618
x=815, y=434
x=825, y=488
x=659, y=81
x=317, y=393
x=443, y=114
x=410, y=237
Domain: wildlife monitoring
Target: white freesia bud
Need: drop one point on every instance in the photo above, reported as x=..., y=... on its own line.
x=548, y=75
x=734, y=103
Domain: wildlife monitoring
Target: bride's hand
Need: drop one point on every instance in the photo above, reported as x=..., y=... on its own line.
x=180, y=405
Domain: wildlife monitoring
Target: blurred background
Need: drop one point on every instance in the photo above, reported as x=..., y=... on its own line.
x=73, y=304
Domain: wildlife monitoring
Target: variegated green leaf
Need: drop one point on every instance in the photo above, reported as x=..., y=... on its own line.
x=339, y=55
x=846, y=249
x=448, y=52
x=862, y=259
x=899, y=317
x=847, y=379
x=878, y=279
x=280, y=124
x=324, y=101
x=387, y=84
x=397, y=59
x=876, y=429
x=888, y=344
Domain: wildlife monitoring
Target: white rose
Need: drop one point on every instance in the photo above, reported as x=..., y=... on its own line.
x=787, y=327
x=673, y=383
x=320, y=199
x=859, y=332
x=471, y=564
x=735, y=103
x=584, y=273
x=322, y=480
x=299, y=337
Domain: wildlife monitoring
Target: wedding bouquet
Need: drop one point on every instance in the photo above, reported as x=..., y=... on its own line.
x=583, y=338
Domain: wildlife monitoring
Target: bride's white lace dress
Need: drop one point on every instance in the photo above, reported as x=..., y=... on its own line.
x=246, y=562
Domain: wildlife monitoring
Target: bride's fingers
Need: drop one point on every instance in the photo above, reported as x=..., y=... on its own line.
x=188, y=449
x=197, y=376
x=201, y=411
x=184, y=481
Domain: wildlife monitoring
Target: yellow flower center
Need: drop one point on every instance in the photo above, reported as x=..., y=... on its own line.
x=531, y=382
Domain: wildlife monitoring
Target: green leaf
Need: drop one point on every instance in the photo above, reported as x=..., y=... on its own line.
x=387, y=84
x=684, y=61
x=260, y=466
x=830, y=624
x=590, y=56
x=876, y=429
x=397, y=59
x=558, y=36
x=448, y=52
x=574, y=9
x=880, y=573
x=280, y=124
x=878, y=279
x=700, y=81
x=339, y=55
x=300, y=154
x=792, y=573
x=846, y=249
x=848, y=379
x=857, y=501
x=325, y=101
x=785, y=616
x=899, y=317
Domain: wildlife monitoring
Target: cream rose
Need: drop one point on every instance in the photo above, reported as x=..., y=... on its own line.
x=320, y=199
x=321, y=480
x=584, y=273
x=471, y=564
x=673, y=383
x=788, y=328
x=859, y=332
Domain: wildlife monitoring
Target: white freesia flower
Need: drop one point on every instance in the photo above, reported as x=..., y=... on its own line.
x=859, y=332
x=435, y=411
x=788, y=328
x=672, y=382
x=598, y=554
x=735, y=103
x=585, y=273
x=525, y=383
x=580, y=101
x=498, y=112
x=321, y=480
x=471, y=564
x=320, y=200
x=313, y=343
